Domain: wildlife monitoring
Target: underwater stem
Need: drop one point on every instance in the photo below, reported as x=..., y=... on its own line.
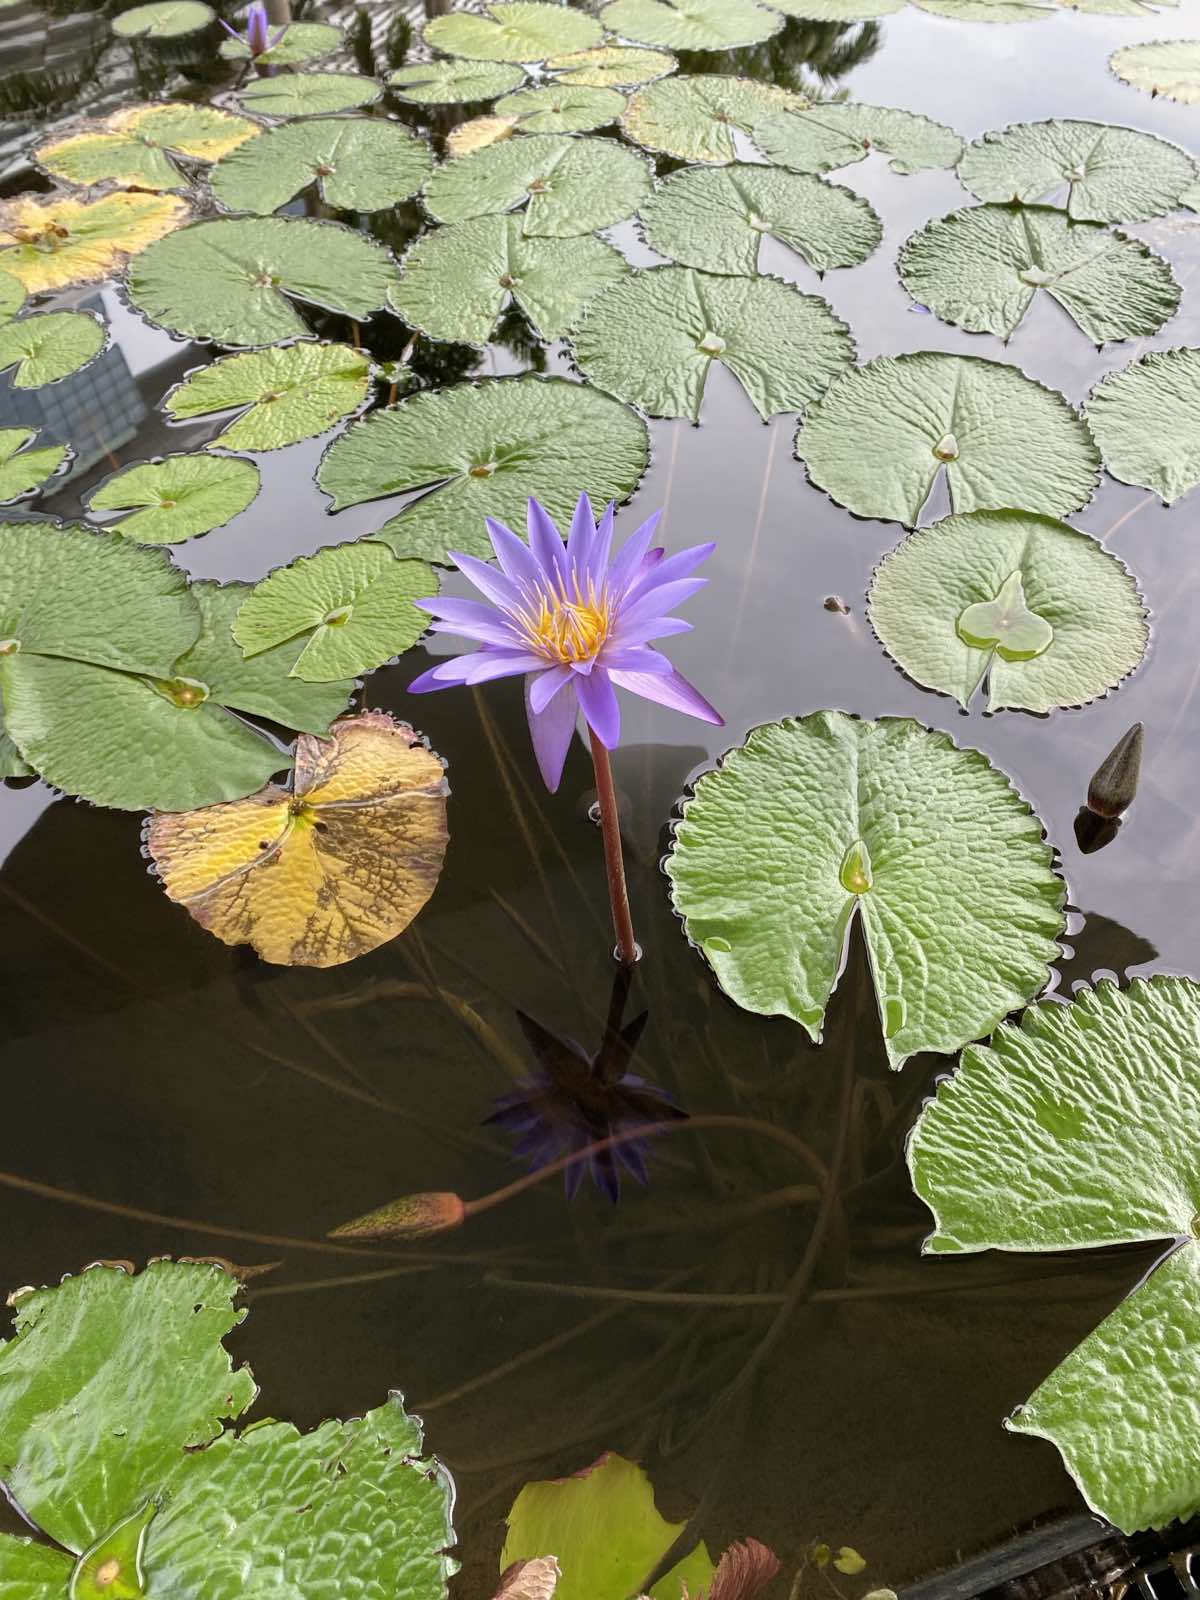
x=614, y=862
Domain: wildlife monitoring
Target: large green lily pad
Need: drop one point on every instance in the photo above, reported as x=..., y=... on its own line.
x=1073, y=1131
x=513, y=30
x=283, y=394
x=572, y=186
x=303, y=42
x=12, y=296
x=716, y=218
x=561, y=108
x=234, y=279
x=163, y=19
x=30, y=1571
x=308, y=94
x=23, y=470
x=844, y=11
x=815, y=818
x=832, y=135
x=454, y=82
x=691, y=24
x=652, y=339
x=611, y=66
x=480, y=450
x=981, y=268
x=988, y=10
x=456, y=280
x=1109, y=174
x=355, y=163
x=879, y=439
x=1042, y=611
x=178, y=497
x=133, y=148
x=51, y=345
x=1146, y=420
x=695, y=117
x=1166, y=67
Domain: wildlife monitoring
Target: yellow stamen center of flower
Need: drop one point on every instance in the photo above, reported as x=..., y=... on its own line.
x=567, y=624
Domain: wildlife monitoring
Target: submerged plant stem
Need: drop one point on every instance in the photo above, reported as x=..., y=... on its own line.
x=614, y=861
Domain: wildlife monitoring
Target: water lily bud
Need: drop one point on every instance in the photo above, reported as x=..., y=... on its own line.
x=529, y=1580
x=411, y=1217
x=1115, y=781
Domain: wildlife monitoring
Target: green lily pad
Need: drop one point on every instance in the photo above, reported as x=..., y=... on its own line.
x=652, y=339
x=513, y=30
x=695, y=118
x=691, y=24
x=233, y=279
x=308, y=94
x=164, y=19
x=23, y=470
x=11, y=766
x=1146, y=420
x=980, y=268
x=572, y=186
x=1166, y=67
x=303, y=42
x=455, y=281
x=178, y=497
x=611, y=66
x=12, y=296
x=1109, y=174
x=716, y=218
x=283, y=394
x=454, y=82
x=988, y=10
x=355, y=163
x=879, y=438
x=1044, y=612
x=30, y=1571
x=133, y=148
x=480, y=450
x=833, y=135
x=1073, y=1131
x=352, y=605
x=562, y=109
x=815, y=818
x=838, y=10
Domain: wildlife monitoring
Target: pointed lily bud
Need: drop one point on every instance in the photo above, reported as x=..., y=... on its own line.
x=411, y=1217
x=1115, y=781
x=745, y=1569
x=529, y=1580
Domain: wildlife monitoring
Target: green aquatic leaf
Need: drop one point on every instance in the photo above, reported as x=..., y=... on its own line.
x=1109, y=174
x=1042, y=611
x=303, y=42
x=716, y=218
x=480, y=450
x=308, y=94
x=30, y=1571
x=980, y=268
x=1073, y=1131
x=355, y=163
x=178, y=497
x=988, y=10
x=454, y=82
x=23, y=470
x=12, y=296
x=1166, y=67
x=695, y=118
x=353, y=605
x=838, y=10
x=233, y=279
x=878, y=440
x=831, y=135
x=572, y=186
x=691, y=24
x=513, y=30
x=283, y=394
x=815, y=818
x=133, y=148
x=611, y=66
x=12, y=765
x=455, y=281
x=562, y=108
x=1146, y=420
x=164, y=19
x=652, y=339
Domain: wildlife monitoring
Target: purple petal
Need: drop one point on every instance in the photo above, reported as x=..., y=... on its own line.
x=604, y=1175
x=659, y=602
x=581, y=537
x=445, y=675
x=639, y=632
x=232, y=32
x=669, y=689
x=546, y=685
x=494, y=633
x=501, y=591
x=598, y=700
x=279, y=33
x=488, y=664
x=573, y=1177
x=632, y=1158
x=668, y=570
x=514, y=555
x=601, y=548
x=630, y=556
x=551, y=731
x=633, y=658
x=545, y=540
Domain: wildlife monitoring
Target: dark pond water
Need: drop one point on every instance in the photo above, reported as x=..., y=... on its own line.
x=161, y=1090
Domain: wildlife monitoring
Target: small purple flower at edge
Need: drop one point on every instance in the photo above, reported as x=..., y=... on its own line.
x=257, y=37
x=576, y=621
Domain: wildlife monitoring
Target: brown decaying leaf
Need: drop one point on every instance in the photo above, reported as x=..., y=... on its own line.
x=529, y=1580
x=745, y=1569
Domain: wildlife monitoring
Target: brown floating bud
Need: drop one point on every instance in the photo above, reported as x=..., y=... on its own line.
x=411, y=1217
x=1114, y=782
x=746, y=1568
x=529, y=1580
x=834, y=602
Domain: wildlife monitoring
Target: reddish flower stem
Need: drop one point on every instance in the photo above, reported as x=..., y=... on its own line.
x=610, y=826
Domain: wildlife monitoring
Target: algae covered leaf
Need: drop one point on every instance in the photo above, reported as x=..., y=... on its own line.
x=178, y=497
x=282, y=394
x=513, y=30
x=22, y=469
x=695, y=117
x=1146, y=420
x=50, y=345
x=134, y=147
x=355, y=164
x=54, y=241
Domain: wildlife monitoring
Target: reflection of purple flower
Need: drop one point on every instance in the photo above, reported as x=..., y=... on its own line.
x=257, y=37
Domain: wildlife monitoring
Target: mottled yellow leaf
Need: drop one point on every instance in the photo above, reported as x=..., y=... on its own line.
x=478, y=134
x=132, y=148
x=53, y=241
x=849, y=1561
x=318, y=874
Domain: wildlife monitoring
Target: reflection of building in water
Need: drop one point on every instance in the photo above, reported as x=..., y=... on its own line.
x=47, y=62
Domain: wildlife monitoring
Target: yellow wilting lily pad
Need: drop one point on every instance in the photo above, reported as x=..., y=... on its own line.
x=478, y=134
x=325, y=871
x=133, y=148
x=53, y=241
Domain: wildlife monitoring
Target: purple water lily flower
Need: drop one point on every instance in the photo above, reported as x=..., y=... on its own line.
x=576, y=621
x=257, y=37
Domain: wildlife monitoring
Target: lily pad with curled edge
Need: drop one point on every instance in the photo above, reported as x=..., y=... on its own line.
x=163, y=19
x=303, y=42
x=308, y=94
x=831, y=135
x=355, y=163
x=233, y=279
x=282, y=394
x=1042, y=611
x=54, y=241
x=1108, y=174
x=513, y=30
x=480, y=450
x=51, y=345
x=691, y=24
x=114, y=1395
x=838, y=10
x=1166, y=67
x=454, y=82
x=816, y=818
x=717, y=217
x=1146, y=420
x=696, y=117
x=352, y=604
x=611, y=66
x=652, y=339
x=134, y=148
x=327, y=870
x=561, y=108
x=572, y=186
x=178, y=497
x=981, y=267
x=22, y=470
x=12, y=297
x=988, y=10
x=878, y=440
x=455, y=281
x=1074, y=1131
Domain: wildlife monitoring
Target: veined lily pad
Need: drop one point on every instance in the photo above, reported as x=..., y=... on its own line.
x=178, y=497
x=356, y=164
x=32, y=1570
x=163, y=19
x=1146, y=420
x=454, y=82
x=562, y=108
x=352, y=604
x=572, y=186
x=833, y=135
x=611, y=66
x=12, y=296
x=481, y=450
x=1166, y=67
x=980, y=268
x=325, y=871
x=456, y=280
x=878, y=440
x=283, y=394
x=233, y=279
x=513, y=30
x=1073, y=1131
x=717, y=217
x=309, y=94
x=51, y=242
x=652, y=339
x=1041, y=610
x=815, y=818
x=23, y=470
x=988, y=10
x=1109, y=174
x=303, y=42
x=51, y=345
x=838, y=10
x=694, y=118
x=133, y=147
x=691, y=24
